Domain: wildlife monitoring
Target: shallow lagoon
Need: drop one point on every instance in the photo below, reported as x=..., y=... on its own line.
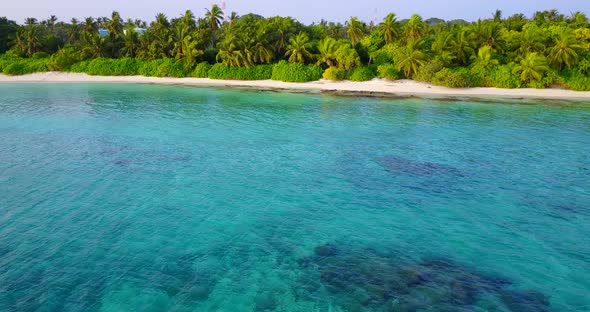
x=152, y=198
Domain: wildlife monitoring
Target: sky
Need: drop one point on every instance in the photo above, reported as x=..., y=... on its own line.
x=306, y=11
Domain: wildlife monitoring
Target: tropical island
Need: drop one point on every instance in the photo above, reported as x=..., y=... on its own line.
x=129, y=183
x=549, y=50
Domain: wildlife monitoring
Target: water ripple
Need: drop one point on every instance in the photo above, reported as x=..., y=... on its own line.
x=152, y=198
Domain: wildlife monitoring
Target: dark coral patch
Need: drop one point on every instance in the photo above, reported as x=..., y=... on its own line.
x=122, y=162
x=525, y=301
x=326, y=250
x=396, y=164
x=367, y=280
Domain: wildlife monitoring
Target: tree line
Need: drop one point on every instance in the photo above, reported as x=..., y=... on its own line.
x=545, y=50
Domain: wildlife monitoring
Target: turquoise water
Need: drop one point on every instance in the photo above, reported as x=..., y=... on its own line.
x=157, y=198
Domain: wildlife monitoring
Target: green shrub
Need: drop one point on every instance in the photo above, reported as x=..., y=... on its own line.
x=99, y=67
x=388, y=71
x=14, y=69
x=210, y=56
x=19, y=66
x=219, y=71
x=3, y=64
x=202, y=70
x=361, y=74
x=64, y=59
x=37, y=66
x=129, y=67
x=447, y=77
x=578, y=83
x=7, y=59
x=295, y=72
x=148, y=68
x=480, y=76
x=333, y=73
x=39, y=55
x=550, y=78
x=502, y=77
x=427, y=72
x=382, y=57
x=112, y=67
x=160, y=68
x=79, y=67
x=258, y=72
x=125, y=67
x=169, y=68
x=10, y=55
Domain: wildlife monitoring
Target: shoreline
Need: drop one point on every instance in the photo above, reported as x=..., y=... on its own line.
x=377, y=87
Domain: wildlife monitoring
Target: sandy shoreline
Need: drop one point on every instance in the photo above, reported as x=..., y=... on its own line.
x=402, y=88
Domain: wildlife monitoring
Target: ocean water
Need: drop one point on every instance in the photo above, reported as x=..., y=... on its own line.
x=172, y=198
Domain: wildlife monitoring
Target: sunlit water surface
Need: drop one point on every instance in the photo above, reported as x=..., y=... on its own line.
x=155, y=198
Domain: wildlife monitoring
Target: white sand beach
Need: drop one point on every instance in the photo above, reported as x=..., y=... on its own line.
x=374, y=87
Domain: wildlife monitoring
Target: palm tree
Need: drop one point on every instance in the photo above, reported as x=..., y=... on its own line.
x=233, y=18
x=50, y=22
x=579, y=20
x=248, y=45
x=214, y=17
x=188, y=20
x=410, y=58
x=28, y=40
x=284, y=28
x=346, y=56
x=355, y=30
x=441, y=26
x=100, y=21
x=263, y=52
x=93, y=47
x=553, y=16
x=145, y=42
x=190, y=52
x=462, y=45
x=440, y=48
x=90, y=27
x=484, y=59
x=114, y=26
x=74, y=31
x=297, y=50
x=531, y=68
x=180, y=32
x=19, y=41
x=515, y=22
x=335, y=31
x=139, y=23
x=530, y=41
x=540, y=17
x=327, y=47
x=415, y=28
x=498, y=16
x=131, y=42
x=494, y=36
x=229, y=53
x=489, y=33
x=564, y=51
x=160, y=37
x=30, y=21
x=390, y=28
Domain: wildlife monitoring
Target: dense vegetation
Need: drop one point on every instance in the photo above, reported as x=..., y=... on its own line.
x=550, y=49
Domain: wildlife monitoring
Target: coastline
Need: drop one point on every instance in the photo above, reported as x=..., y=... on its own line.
x=377, y=87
